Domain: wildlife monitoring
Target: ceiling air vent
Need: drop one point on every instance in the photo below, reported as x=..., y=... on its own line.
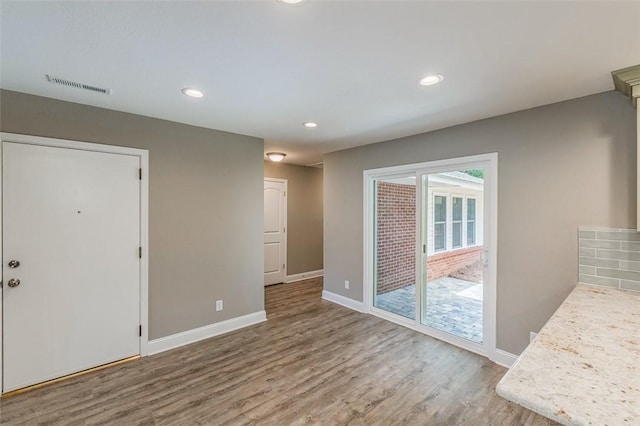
x=57, y=80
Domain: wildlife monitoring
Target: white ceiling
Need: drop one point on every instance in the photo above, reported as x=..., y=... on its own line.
x=266, y=66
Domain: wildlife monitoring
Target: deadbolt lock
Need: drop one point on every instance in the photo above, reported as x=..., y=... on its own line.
x=14, y=264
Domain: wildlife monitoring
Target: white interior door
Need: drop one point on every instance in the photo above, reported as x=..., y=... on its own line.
x=72, y=220
x=275, y=223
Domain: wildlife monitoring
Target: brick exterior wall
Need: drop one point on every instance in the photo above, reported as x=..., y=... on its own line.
x=396, y=236
x=442, y=264
x=396, y=241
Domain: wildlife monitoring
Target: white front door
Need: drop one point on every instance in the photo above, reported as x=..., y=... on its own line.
x=275, y=223
x=72, y=221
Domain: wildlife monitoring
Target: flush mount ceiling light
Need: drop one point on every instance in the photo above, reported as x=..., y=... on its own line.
x=291, y=1
x=194, y=93
x=432, y=79
x=276, y=157
x=310, y=124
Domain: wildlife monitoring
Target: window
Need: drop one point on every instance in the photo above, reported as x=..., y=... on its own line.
x=456, y=223
x=471, y=221
x=439, y=223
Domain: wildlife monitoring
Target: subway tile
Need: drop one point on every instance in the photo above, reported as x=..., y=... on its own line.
x=616, y=254
x=587, y=234
x=626, y=265
x=591, y=261
x=590, y=279
x=616, y=261
x=597, y=228
x=612, y=245
x=627, y=231
x=604, y=263
x=629, y=246
x=587, y=252
x=630, y=285
x=587, y=270
x=616, y=273
x=626, y=235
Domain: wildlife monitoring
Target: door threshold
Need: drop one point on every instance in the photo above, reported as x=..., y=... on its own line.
x=69, y=376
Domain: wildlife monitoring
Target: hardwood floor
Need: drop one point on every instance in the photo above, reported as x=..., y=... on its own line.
x=312, y=362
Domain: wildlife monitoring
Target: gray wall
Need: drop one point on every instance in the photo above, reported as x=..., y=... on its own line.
x=559, y=166
x=304, y=215
x=205, y=205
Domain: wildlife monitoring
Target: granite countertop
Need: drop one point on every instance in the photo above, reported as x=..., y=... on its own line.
x=583, y=368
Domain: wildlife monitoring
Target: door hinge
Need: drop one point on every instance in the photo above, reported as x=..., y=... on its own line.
x=139, y=331
x=283, y=266
x=424, y=248
x=140, y=252
x=140, y=174
x=284, y=193
x=284, y=229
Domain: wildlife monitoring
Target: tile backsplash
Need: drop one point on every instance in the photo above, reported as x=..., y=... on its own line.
x=609, y=257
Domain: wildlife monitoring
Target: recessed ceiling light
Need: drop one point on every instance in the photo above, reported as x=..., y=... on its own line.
x=291, y=1
x=194, y=93
x=310, y=124
x=432, y=79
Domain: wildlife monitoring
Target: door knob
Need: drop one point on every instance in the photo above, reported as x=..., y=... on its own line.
x=13, y=282
x=14, y=264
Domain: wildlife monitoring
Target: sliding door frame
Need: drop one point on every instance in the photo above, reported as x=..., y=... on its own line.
x=489, y=162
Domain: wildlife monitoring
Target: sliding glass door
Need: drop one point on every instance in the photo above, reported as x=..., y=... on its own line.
x=428, y=264
x=452, y=272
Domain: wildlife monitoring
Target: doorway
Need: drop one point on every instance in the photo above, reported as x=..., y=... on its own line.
x=75, y=277
x=430, y=235
x=275, y=230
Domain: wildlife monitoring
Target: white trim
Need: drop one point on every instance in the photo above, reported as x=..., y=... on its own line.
x=195, y=335
x=285, y=205
x=1, y=265
x=489, y=162
x=70, y=144
x=504, y=358
x=343, y=301
x=143, y=154
x=144, y=261
x=436, y=166
x=303, y=276
x=490, y=240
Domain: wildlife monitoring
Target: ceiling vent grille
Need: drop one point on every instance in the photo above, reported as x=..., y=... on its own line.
x=56, y=80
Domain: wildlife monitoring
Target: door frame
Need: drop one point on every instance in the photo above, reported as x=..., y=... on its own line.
x=284, y=221
x=490, y=209
x=143, y=155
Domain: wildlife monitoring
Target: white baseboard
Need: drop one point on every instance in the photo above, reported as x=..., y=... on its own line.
x=344, y=301
x=504, y=358
x=191, y=336
x=304, y=276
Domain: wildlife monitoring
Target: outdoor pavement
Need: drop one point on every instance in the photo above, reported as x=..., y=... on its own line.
x=453, y=306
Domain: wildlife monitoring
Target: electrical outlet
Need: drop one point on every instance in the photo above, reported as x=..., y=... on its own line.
x=346, y=284
x=218, y=305
x=532, y=335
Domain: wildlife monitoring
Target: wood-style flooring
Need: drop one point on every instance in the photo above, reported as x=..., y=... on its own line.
x=312, y=362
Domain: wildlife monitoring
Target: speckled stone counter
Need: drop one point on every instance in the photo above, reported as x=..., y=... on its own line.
x=583, y=368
